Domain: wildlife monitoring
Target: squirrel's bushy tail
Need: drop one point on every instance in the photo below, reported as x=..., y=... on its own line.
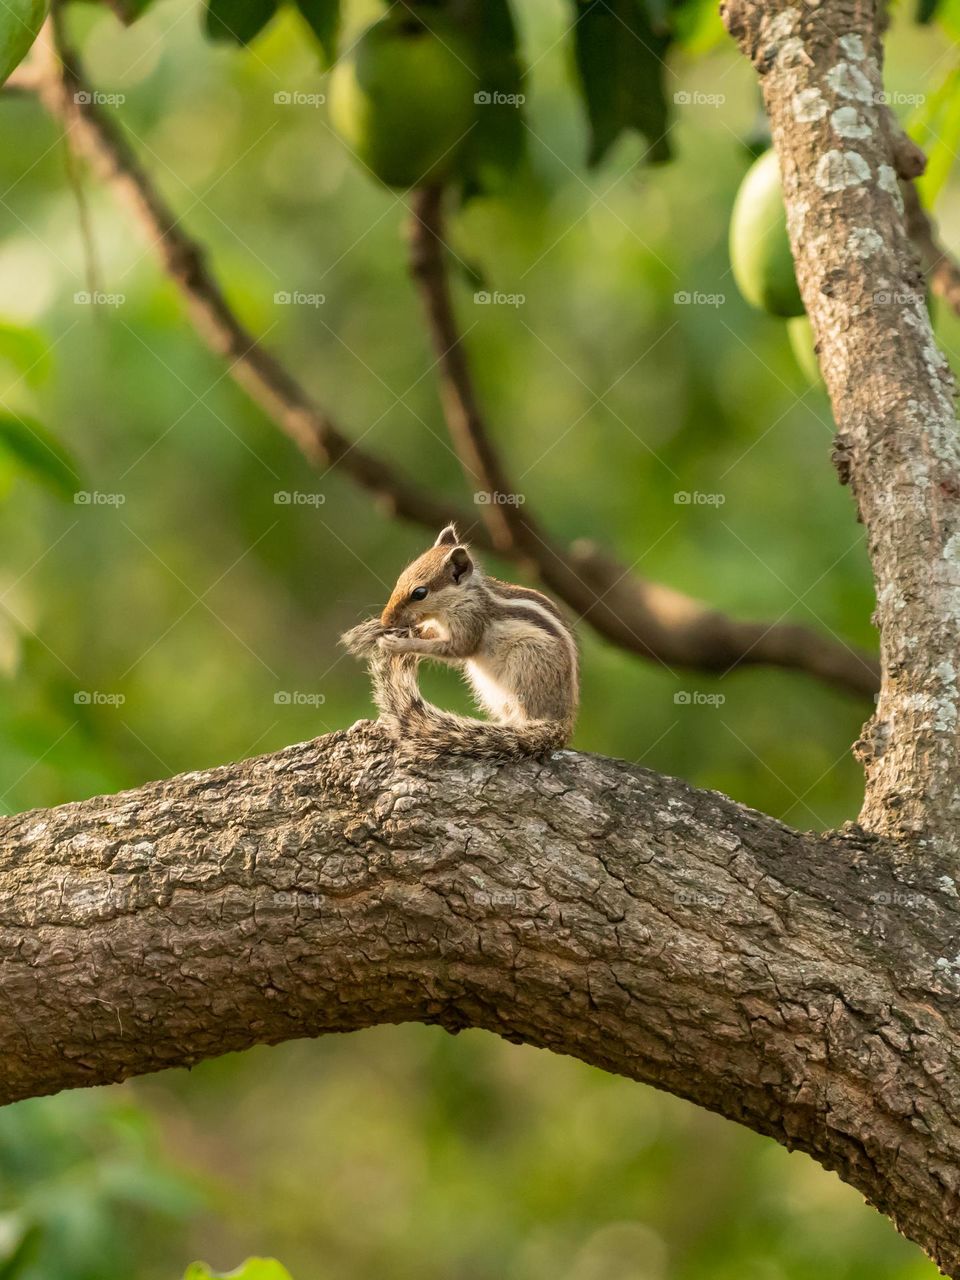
x=425, y=730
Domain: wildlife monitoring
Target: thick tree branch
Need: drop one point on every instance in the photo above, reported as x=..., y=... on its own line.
x=801, y=985
x=652, y=621
x=890, y=386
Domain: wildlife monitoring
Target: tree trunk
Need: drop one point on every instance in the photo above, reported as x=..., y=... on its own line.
x=890, y=386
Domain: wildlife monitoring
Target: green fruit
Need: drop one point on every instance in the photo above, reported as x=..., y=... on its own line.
x=759, y=245
x=20, y=21
x=403, y=100
x=800, y=334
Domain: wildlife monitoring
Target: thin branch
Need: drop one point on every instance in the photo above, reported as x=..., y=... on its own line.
x=621, y=605
x=93, y=134
x=461, y=407
x=639, y=616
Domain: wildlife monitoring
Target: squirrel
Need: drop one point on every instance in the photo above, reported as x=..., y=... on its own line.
x=510, y=643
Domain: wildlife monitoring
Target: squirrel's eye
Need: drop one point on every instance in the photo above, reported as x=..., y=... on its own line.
x=419, y=594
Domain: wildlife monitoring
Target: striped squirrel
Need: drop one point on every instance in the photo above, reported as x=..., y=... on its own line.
x=511, y=644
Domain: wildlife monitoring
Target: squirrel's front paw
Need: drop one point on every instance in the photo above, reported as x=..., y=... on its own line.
x=394, y=642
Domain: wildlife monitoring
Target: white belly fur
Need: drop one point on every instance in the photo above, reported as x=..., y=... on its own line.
x=495, y=700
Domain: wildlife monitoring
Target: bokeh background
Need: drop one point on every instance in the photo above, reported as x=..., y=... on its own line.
x=189, y=617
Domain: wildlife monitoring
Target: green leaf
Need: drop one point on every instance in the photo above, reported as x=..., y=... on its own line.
x=21, y=1239
x=20, y=22
x=238, y=20
x=32, y=448
x=948, y=16
x=497, y=143
x=941, y=138
x=924, y=121
x=323, y=17
x=26, y=350
x=472, y=273
x=620, y=58
x=252, y=1269
x=659, y=12
x=696, y=25
x=925, y=11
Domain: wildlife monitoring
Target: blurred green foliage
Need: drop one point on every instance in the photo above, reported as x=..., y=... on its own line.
x=252, y=1269
x=81, y=1177
x=177, y=613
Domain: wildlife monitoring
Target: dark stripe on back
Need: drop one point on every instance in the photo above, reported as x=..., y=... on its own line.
x=519, y=613
x=513, y=592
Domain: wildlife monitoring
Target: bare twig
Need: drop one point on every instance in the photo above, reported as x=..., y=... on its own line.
x=479, y=459
x=637, y=615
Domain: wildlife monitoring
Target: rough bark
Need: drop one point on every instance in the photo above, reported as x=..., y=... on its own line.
x=891, y=390
x=803, y=985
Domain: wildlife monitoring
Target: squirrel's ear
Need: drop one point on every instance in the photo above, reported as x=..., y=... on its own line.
x=461, y=566
x=447, y=537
